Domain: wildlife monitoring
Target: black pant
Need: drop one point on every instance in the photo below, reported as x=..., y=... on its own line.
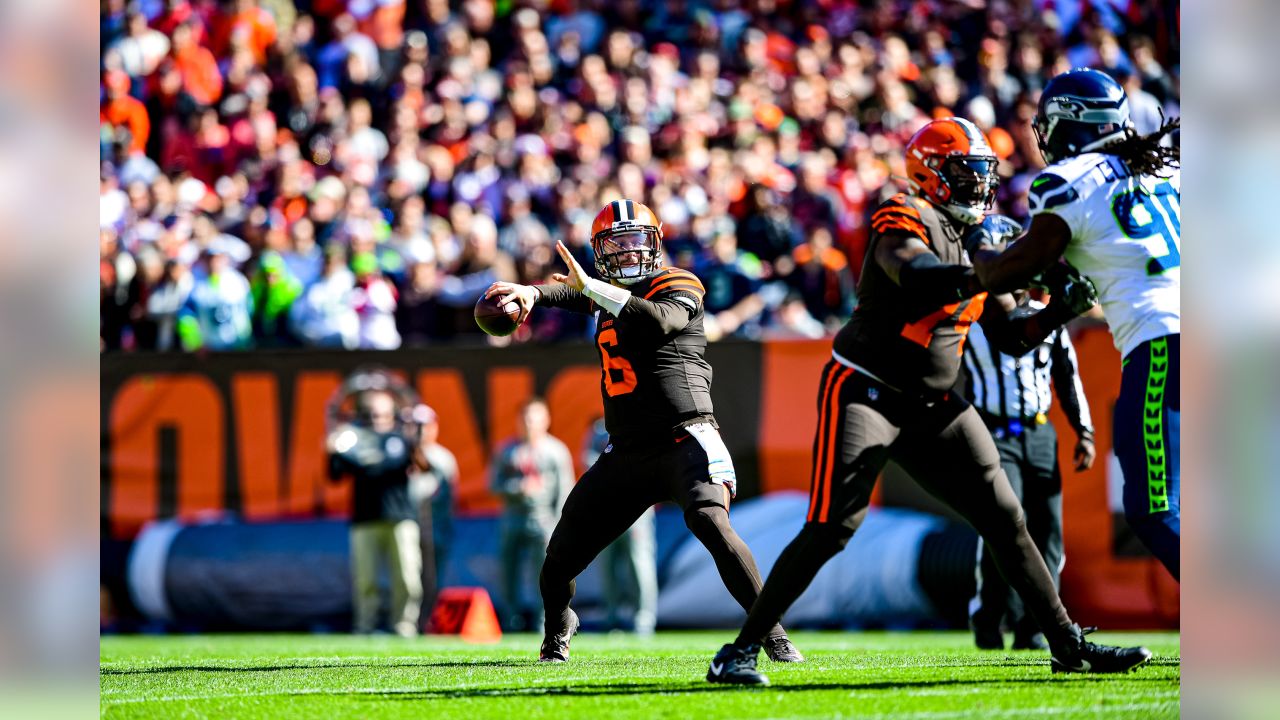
x=1030, y=460
x=626, y=480
x=945, y=446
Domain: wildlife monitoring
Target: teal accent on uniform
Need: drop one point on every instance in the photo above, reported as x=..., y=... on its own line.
x=1153, y=427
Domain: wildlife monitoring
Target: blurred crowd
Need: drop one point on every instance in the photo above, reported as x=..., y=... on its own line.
x=353, y=173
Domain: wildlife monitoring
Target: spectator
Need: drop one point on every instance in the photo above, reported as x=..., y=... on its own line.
x=532, y=475
x=217, y=313
x=421, y=317
x=142, y=48
x=766, y=227
x=117, y=273
x=794, y=321
x=205, y=236
x=165, y=303
x=324, y=316
x=174, y=13
x=274, y=291
x=470, y=127
x=242, y=21
x=332, y=60
x=733, y=304
x=823, y=280
x=304, y=258
x=123, y=117
x=1144, y=108
x=198, y=68
x=150, y=278
x=374, y=301
x=813, y=204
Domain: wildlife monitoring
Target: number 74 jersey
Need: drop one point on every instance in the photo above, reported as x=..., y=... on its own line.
x=1126, y=236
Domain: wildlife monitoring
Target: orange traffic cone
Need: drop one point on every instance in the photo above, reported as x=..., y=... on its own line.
x=466, y=612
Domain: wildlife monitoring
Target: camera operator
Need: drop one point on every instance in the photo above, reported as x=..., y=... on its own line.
x=379, y=450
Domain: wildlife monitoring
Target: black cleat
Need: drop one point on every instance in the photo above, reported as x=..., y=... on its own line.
x=555, y=648
x=780, y=649
x=1080, y=655
x=986, y=638
x=735, y=665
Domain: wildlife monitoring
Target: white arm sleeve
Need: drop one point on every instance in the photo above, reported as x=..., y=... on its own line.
x=611, y=298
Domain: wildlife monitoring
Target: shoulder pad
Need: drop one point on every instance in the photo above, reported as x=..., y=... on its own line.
x=900, y=214
x=1076, y=168
x=1050, y=190
x=670, y=280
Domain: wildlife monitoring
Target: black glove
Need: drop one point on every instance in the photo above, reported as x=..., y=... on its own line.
x=1068, y=288
x=994, y=230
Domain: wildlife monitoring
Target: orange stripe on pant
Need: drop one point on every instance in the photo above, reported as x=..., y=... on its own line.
x=832, y=445
x=824, y=391
x=828, y=420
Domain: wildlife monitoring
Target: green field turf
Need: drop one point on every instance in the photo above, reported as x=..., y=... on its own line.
x=851, y=675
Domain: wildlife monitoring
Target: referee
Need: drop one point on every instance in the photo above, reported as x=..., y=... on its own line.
x=1012, y=394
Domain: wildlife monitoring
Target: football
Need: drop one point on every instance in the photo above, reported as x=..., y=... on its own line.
x=495, y=319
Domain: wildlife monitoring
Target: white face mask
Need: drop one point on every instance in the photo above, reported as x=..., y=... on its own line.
x=631, y=242
x=631, y=275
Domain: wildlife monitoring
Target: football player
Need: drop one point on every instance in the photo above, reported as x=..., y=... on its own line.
x=885, y=395
x=663, y=437
x=1110, y=203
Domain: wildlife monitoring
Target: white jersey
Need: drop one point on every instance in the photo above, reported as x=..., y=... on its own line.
x=1126, y=236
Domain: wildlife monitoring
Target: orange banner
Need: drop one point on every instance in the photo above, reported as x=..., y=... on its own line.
x=243, y=434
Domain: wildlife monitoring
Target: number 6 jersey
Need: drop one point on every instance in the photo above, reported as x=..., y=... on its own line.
x=654, y=376
x=1126, y=235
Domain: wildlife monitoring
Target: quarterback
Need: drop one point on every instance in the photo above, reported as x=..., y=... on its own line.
x=664, y=443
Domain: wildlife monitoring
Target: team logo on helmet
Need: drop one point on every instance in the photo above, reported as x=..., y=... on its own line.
x=1080, y=111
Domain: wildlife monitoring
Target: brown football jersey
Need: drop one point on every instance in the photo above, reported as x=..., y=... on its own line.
x=910, y=344
x=650, y=382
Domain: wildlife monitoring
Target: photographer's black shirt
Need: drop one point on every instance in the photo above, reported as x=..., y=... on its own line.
x=379, y=466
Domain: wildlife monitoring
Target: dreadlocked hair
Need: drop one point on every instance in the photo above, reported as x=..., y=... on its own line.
x=1144, y=154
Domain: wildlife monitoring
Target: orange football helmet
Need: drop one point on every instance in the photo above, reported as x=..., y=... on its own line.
x=626, y=239
x=951, y=164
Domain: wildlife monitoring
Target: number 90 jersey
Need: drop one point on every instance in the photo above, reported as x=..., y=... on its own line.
x=652, y=382
x=1126, y=236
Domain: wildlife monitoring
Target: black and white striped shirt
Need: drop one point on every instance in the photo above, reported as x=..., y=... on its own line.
x=1019, y=388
